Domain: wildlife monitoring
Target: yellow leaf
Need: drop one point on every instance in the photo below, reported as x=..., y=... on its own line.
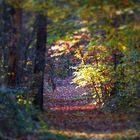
x=29, y=62
x=122, y=47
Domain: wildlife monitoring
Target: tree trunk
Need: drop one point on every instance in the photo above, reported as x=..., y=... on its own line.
x=117, y=55
x=40, y=59
x=11, y=37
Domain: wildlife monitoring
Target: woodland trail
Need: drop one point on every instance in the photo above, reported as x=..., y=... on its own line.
x=68, y=97
x=77, y=119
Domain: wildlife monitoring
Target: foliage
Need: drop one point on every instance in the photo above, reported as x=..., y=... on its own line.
x=16, y=118
x=115, y=64
x=96, y=41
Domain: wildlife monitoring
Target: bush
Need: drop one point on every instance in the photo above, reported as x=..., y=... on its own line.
x=15, y=116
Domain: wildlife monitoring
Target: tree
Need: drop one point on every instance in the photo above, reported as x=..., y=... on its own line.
x=11, y=36
x=41, y=37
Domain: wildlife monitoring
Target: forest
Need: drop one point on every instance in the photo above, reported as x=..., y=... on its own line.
x=69, y=69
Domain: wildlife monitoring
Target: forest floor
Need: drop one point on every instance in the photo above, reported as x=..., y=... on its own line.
x=72, y=117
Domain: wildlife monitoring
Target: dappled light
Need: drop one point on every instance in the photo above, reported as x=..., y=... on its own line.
x=106, y=135
x=69, y=70
x=69, y=108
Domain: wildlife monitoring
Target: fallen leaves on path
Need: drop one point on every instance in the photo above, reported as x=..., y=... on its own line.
x=78, y=118
x=68, y=108
x=94, y=136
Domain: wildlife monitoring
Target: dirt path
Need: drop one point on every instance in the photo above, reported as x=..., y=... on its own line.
x=67, y=95
x=79, y=120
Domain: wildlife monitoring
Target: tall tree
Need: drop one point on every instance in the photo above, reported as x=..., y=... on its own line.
x=11, y=36
x=41, y=37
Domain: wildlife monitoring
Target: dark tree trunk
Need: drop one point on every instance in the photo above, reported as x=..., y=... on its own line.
x=11, y=36
x=117, y=56
x=40, y=59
